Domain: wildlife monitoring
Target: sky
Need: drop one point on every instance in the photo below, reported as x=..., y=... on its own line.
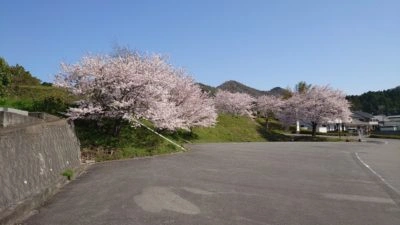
x=352, y=45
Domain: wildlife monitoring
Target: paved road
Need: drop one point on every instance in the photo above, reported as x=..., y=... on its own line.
x=248, y=183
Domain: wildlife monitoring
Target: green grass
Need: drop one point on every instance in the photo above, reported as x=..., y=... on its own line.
x=229, y=129
x=394, y=136
x=245, y=129
x=37, y=92
x=52, y=100
x=17, y=103
x=99, y=141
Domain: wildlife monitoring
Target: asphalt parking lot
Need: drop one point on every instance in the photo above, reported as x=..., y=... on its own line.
x=238, y=183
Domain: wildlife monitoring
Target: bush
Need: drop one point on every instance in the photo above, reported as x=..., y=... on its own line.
x=52, y=105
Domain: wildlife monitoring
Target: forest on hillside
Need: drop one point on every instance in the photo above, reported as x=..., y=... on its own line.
x=377, y=102
x=22, y=90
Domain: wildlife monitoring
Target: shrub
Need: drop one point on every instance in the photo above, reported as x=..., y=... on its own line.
x=69, y=173
x=51, y=104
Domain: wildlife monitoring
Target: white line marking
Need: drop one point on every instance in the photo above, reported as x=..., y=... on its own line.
x=377, y=174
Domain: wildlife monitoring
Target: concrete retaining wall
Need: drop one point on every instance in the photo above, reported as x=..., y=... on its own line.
x=14, y=117
x=32, y=159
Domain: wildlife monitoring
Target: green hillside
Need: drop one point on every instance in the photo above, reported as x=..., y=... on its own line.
x=377, y=102
x=228, y=129
x=38, y=98
x=234, y=86
x=21, y=90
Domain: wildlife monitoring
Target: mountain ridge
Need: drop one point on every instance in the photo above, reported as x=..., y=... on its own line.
x=235, y=86
x=374, y=102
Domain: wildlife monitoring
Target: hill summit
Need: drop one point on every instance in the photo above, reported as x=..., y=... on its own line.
x=234, y=86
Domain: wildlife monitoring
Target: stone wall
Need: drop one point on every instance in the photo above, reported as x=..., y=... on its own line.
x=32, y=159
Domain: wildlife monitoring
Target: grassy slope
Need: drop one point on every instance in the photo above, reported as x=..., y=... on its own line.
x=28, y=97
x=37, y=92
x=230, y=129
x=244, y=129
x=98, y=141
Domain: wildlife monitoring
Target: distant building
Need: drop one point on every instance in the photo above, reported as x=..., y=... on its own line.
x=362, y=120
x=389, y=123
x=394, y=118
x=389, y=128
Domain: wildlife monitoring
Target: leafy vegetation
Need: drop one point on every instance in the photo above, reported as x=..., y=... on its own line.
x=5, y=77
x=234, y=86
x=20, y=89
x=39, y=99
x=207, y=88
x=100, y=141
x=68, y=173
x=386, y=136
x=379, y=102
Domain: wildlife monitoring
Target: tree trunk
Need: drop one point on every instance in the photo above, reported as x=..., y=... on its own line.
x=267, y=123
x=191, y=134
x=117, y=127
x=314, y=128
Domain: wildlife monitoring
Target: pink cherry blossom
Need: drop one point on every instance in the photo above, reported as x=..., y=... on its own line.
x=133, y=86
x=316, y=106
x=238, y=104
x=268, y=106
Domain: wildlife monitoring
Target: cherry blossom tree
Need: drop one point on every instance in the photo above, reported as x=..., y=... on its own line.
x=134, y=86
x=317, y=105
x=192, y=106
x=268, y=106
x=289, y=113
x=238, y=104
x=289, y=110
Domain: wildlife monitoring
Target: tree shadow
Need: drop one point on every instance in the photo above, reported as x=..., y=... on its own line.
x=273, y=135
x=181, y=135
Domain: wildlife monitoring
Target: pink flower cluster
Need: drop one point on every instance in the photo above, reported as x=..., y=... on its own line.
x=238, y=104
x=134, y=86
